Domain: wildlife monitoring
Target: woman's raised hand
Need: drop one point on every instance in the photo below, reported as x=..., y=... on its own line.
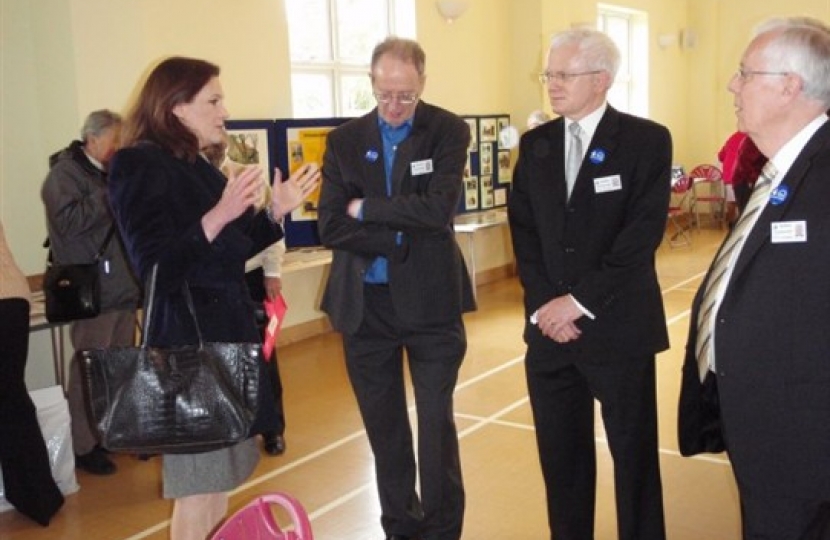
x=241, y=191
x=288, y=195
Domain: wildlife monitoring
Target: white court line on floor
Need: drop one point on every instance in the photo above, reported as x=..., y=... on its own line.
x=682, y=284
x=679, y=317
x=480, y=422
x=342, y=441
x=371, y=485
x=514, y=425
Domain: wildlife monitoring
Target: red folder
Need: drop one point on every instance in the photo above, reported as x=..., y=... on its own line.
x=275, y=311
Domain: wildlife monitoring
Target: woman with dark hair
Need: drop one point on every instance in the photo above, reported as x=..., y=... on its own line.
x=178, y=212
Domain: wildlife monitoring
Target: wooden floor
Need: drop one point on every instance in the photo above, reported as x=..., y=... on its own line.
x=328, y=465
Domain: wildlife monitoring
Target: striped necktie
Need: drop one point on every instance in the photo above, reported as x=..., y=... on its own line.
x=573, y=160
x=704, y=346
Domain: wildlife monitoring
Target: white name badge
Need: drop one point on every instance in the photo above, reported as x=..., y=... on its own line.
x=786, y=232
x=607, y=183
x=421, y=167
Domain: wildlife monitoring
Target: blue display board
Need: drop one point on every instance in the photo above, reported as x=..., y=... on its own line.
x=288, y=143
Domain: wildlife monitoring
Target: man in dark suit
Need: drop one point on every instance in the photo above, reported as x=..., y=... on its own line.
x=759, y=336
x=392, y=182
x=587, y=213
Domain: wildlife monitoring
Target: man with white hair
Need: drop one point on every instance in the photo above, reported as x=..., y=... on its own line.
x=587, y=212
x=758, y=353
x=81, y=225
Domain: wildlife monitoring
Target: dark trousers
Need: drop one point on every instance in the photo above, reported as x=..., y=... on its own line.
x=374, y=360
x=766, y=517
x=27, y=474
x=270, y=418
x=562, y=400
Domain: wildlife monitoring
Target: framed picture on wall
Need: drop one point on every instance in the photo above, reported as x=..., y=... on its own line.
x=500, y=196
x=487, y=200
x=471, y=193
x=488, y=130
x=250, y=143
x=486, y=157
x=505, y=167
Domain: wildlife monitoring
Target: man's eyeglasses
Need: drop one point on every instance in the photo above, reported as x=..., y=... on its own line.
x=746, y=74
x=562, y=77
x=407, y=98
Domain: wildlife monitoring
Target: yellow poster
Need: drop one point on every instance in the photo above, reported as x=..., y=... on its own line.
x=306, y=145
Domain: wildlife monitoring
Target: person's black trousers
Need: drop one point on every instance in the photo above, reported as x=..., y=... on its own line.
x=562, y=400
x=271, y=416
x=27, y=474
x=374, y=360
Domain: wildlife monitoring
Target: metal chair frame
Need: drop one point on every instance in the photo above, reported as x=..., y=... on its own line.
x=708, y=188
x=679, y=215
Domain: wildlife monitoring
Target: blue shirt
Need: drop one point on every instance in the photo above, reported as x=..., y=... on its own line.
x=378, y=272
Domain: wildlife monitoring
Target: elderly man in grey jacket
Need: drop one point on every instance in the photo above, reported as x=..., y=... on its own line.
x=79, y=221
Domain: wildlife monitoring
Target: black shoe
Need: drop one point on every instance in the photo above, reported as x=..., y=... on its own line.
x=95, y=462
x=397, y=537
x=273, y=444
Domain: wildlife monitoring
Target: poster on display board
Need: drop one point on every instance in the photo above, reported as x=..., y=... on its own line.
x=299, y=141
x=285, y=144
x=488, y=172
x=250, y=143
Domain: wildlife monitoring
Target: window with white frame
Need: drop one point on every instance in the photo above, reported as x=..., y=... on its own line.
x=331, y=43
x=629, y=31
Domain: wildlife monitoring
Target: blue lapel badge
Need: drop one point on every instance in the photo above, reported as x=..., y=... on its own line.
x=779, y=195
x=597, y=156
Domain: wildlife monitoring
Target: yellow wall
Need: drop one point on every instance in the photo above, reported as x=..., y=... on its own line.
x=64, y=58
x=60, y=59
x=724, y=28
x=467, y=60
x=531, y=24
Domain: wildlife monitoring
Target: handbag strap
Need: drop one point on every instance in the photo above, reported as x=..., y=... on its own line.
x=149, y=295
x=47, y=244
x=149, y=305
x=101, y=251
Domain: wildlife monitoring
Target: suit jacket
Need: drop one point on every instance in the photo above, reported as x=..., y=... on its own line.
x=428, y=279
x=159, y=201
x=599, y=245
x=772, y=342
